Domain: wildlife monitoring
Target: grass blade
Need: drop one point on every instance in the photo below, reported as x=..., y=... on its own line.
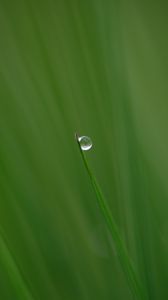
x=123, y=256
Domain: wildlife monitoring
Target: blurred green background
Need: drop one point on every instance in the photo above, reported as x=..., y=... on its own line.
x=99, y=68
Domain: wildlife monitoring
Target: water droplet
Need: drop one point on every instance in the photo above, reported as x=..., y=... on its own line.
x=85, y=142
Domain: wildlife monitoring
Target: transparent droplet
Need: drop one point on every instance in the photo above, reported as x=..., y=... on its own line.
x=85, y=142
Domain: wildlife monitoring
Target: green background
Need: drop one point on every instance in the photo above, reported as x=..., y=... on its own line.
x=99, y=68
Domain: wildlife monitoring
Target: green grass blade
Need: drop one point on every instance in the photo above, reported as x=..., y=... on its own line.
x=123, y=256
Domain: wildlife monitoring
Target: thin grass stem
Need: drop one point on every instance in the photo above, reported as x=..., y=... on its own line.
x=125, y=261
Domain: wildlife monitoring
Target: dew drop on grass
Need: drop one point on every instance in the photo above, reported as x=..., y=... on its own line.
x=85, y=142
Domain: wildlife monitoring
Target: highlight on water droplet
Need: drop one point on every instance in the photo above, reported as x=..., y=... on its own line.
x=85, y=142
